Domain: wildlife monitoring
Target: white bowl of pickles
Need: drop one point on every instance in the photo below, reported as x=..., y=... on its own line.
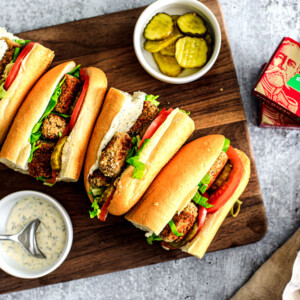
x=177, y=41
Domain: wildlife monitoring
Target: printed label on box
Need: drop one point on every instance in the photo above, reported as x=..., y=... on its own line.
x=280, y=81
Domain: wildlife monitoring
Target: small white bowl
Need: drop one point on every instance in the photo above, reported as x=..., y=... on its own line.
x=175, y=7
x=9, y=265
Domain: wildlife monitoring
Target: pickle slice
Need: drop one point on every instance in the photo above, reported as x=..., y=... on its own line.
x=191, y=52
x=160, y=27
x=175, y=18
x=156, y=46
x=191, y=24
x=167, y=64
x=57, y=154
x=168, y=51
x=209, y=41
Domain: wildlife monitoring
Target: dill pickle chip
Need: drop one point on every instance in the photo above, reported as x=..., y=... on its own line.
x=191, y=52
x=167, y=64
x=168, y=51
x=156, y=46
x=175, y=18
x=191, y=24
x=160, y=27
x=57, y=154
x=209, y=41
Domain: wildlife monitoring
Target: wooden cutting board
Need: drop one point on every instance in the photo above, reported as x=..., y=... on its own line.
x=216, y=107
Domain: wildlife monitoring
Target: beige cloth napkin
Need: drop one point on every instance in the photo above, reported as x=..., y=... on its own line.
x=270, y=280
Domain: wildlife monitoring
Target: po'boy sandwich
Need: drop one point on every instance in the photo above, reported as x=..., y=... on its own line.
x=21, y=64
x=132, y=140
x=50, y=134
x=188, y=201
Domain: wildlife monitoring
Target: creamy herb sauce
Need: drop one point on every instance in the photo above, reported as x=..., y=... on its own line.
x=123, y=121
x=50, y=235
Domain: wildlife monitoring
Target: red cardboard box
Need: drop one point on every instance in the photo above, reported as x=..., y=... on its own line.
x=270, y=117
x=279, y=83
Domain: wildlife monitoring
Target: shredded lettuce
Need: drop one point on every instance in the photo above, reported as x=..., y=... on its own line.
x=204, y=183
x=174, y=229
x=44, y=179
x=153, y=238
x=185, y=112
x=41, y=178
x=36, y=132
x=96, y=195
x=16, y=54
x=3, y=92
x=61, y=115
x=96, y=209
x=152, y=99
x=201, y=200
x=75, y=72
x=133, y=158
x=226, y=145
x=22, y=42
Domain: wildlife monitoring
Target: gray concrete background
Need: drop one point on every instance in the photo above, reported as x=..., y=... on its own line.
x=254, y=28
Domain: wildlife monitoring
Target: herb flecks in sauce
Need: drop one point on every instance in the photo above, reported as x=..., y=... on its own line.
x=50, y=235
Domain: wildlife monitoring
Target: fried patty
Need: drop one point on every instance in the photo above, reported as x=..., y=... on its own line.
x=40, y=164
x=69, y=91
x=52, y=126
x=9, y=54
x=217, y=167
x=183, y=221
x=148, y=114
x=112, y=158
x=97, y=179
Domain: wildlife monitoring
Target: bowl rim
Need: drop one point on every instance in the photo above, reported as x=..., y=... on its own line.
x=138, y=47
x=69, y=239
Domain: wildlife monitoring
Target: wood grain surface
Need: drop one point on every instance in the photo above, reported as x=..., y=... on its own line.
x=216, y=107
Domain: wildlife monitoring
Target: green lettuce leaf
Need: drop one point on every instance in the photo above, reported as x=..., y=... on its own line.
x=22, y=42
x=75, y=72
x=3, y=92
x=95, y=210
x=61, y=115
x=16, y=54
x=36, y=132
x=204, y=183
x=133, y=158
x=174, y=229
x=152, y=99
x=152, y=238
x=201, y=200
x=185, y=112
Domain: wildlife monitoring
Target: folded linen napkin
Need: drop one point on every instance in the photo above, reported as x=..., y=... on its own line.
x=270, y=280
x=292, y=290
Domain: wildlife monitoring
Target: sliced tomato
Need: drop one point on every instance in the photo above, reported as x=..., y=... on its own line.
x=201, y=218
x=225, y=191
x=16, y=67
x=104, y=209
x=162, y=116
x=65, y=132
x=52, y=180
x=80, y=101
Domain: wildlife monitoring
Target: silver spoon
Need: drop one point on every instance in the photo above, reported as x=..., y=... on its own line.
x=26, y=238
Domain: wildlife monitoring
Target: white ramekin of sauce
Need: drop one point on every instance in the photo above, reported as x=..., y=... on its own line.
x=54, y=235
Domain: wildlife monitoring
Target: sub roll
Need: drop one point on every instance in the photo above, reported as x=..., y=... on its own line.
x=50, y=134
x=188, y=201
x=22, y=62
x=132, y=141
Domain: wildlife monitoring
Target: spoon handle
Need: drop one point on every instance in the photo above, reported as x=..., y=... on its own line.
x=4, y=237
